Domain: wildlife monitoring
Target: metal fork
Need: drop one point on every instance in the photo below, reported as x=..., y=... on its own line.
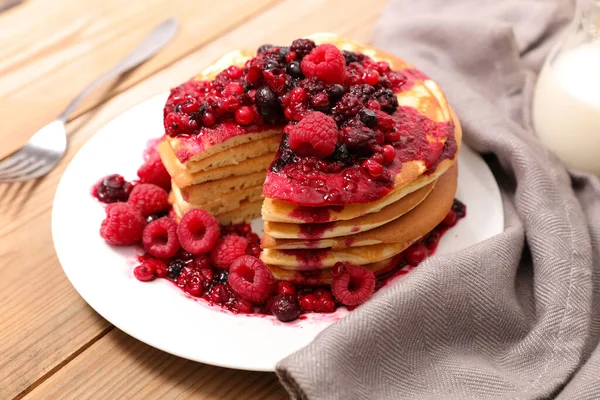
x=45, y=149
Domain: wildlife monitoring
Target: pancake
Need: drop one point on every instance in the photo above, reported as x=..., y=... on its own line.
x=377, y=244
x=183, y=178
x=324, y=276
x=205, y=192
x=234, y=155
x=276, y=233
x=282, y=211
x=226, y=203
x=246, y=211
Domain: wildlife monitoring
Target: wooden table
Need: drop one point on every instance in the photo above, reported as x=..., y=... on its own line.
x=52, y=344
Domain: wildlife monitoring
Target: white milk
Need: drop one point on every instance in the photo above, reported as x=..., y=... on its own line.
x=566, y=107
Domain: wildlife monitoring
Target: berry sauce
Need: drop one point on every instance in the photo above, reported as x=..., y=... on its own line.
x=112, y=189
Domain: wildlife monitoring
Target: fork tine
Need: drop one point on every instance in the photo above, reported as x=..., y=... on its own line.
x=12, y=160
x=17, y=168
x=43, y=170
x=26, y=170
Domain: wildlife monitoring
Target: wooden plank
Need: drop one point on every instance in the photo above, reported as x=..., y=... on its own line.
x=123, y=368
x=51, y=51
x=56, y=321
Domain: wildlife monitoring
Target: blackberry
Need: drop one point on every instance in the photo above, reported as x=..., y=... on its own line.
x=286, y=155
x=302, y=47
x=263, y=49
x=335, y=93
x=351, y=57
x=341, y=154
x=359, y=140
x=368, y=117
x=293, y=69
x=459, y=208
x=313, y=85
x=174, y=269
x=363, y=92
x=387, y=100
x=267, y=104
x=346, y=108
x=220, y=276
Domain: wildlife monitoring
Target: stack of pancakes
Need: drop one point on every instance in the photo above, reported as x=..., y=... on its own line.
x=226, y=177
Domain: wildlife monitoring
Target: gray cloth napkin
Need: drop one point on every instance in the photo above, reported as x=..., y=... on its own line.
x=517, y=316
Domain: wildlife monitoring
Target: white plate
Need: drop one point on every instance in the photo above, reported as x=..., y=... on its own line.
x=160, y=314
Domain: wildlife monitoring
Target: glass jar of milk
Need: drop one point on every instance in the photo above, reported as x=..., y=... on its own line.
x=566, y=104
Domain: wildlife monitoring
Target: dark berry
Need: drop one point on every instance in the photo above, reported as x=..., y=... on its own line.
x=302, y=47
x=342, y=154
x=350, y=56
x=263, y=49
x=271, y=64
x=387, y=100
x=293, y=70
x=174, y=269
x=363, y=92
x=368, y=117
x=346, y=108
x=358, y=138
x=313, y=85
x=221, y=276
x=285, y=307
x=112, y=189
x=459, y=208
x=335, y=93
x=267, y=104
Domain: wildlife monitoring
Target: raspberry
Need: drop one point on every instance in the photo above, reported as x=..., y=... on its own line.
x=284, y=306
x=316, y=135
x=251, y=279
x=387, y=100
x=348, y=106
x=302, y=47
x=353, y=285
x=198, y=231
x=325, y=62
x=149, y=199
x=415, y=254
x=113, y=188
x=123, y=225
x=153, y=171
x=227, y=250
x=160, y=238
x=313, y=85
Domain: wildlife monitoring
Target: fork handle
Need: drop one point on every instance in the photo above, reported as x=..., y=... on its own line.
x=156, y=40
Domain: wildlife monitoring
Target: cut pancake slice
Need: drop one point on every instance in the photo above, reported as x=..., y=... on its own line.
x=377, y=244
x=226, y=203
x=183, y=178
x=208, y=191
x=246, y=211
x=276, y=233
x=234, y=155
x=324, y=276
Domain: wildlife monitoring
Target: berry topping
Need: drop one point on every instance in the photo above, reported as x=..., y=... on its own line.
x=293, y=69
x=348, y=106
x=307, y=302
x=198, y=231
x=112, y=189
x=174, y=269
x=368, y=117
x=149, y=199
x=285, y=307
x=302, y=47
x=316, y=135
x=123, y=225
x=387, y=100
x=152, y=264
x=244, y=115
x=285, y=287
x=145, y=272
x=160, y=238
x=153, y=171
x=415, y=254
x=251, y=279
x=325, y=62
x=227, y=250
x=352, y=284
x=268, y=104
x=450, y=219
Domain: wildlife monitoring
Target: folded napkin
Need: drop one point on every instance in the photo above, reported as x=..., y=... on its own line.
x=516, y=316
